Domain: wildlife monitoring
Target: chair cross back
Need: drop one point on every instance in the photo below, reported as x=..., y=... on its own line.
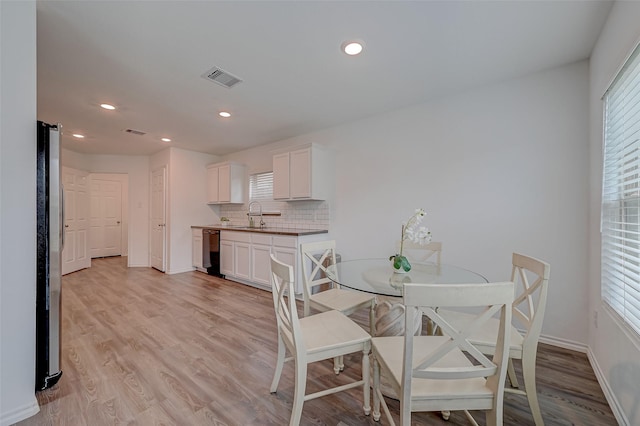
x=458, y=340
x=534, y=306
x=318, y=273
x=442, y=295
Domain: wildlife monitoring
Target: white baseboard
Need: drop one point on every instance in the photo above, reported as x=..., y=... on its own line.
x=180, y=271
x=20, y=413
x=564, y=343
x=618, y=412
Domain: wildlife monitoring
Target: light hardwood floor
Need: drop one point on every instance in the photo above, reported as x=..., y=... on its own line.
x=143, y=348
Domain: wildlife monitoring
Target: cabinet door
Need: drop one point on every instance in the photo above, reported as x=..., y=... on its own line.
x=226, y=258
x=281, y=176
x=196, y=248
x=212, y=185
x=242, y=260
x=224, y=184
x=300, y=178
x=261, y=264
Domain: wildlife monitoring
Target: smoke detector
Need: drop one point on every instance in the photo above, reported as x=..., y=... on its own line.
x=221, y=77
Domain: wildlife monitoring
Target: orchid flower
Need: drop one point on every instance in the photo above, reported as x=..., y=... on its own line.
x=420, y=235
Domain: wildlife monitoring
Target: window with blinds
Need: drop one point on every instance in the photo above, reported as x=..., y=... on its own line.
x=261, y=186
x=621, y=194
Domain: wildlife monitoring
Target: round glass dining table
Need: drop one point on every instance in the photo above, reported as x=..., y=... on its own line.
x=376, y=276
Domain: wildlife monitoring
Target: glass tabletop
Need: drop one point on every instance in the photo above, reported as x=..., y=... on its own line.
x=376, y=275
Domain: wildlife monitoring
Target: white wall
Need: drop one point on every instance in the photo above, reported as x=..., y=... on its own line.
x=188, y=204
x=615, y=353
x=499, y=169
x=17, y=210
x=137, y=170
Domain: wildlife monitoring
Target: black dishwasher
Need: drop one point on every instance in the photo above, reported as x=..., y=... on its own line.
x=211, y=251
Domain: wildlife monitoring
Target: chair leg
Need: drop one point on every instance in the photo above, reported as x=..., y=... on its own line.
x=298, y=398
x=513, y=379
x=529, y=376
x=405, y=412
x=279, y=363
x=376, y=386
x=365, y=378
x=338, y=364
x=372, y=318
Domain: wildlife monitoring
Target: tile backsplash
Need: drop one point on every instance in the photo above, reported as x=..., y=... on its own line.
x=297, y=214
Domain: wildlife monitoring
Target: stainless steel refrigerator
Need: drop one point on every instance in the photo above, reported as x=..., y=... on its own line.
x=50, y=242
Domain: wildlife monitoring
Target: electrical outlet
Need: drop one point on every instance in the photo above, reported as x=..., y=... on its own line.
x=595, y=319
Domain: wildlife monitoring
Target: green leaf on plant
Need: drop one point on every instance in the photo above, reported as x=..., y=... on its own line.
x=405, y=264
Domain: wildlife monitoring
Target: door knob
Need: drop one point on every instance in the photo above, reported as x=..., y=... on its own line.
x=66, y=226
x=118, y=222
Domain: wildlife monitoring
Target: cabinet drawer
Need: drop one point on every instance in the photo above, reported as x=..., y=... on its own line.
x=289, y=242
x=261, y=239
x=243, y=237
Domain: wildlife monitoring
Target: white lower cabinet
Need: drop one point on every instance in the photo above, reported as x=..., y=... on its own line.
x=226, y=258
x=246, y=256
x=260, y=265
x=242, y=260
x=260, y=258
x=196, y=248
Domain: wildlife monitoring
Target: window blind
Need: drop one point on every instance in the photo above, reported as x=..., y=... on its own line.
x=261, y=186
x=620, y=257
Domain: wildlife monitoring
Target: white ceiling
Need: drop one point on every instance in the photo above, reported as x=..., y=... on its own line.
x=147, y=58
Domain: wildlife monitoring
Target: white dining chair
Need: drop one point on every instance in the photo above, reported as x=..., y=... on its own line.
x=415, y=252
x=437, y=373
x=316, y=258
x=531, y=278
x=313, y=338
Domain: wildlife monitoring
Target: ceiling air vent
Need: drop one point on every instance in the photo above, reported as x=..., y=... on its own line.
x=135, y=132
x=221, y=77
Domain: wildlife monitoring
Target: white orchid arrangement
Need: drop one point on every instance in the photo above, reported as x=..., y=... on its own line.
x=412, y=232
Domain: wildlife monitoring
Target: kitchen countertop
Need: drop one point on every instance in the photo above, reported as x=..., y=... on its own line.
x=266, y=230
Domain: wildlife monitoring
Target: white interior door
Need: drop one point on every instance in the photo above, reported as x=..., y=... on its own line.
x=158, y=219
x=75, y=255
x=106, y=218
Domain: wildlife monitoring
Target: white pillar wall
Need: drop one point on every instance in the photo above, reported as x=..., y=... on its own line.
x=17, y=210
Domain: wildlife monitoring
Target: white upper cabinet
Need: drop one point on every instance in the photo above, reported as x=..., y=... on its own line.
x=281, y=176
x=302, y=174
x=225, y=183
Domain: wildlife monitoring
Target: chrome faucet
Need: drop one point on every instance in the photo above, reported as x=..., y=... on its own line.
x=251, y=213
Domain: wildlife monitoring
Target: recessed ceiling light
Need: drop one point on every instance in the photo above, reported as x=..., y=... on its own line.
x=78, y=135
x=107, y=106
x=165, y=140
x=352, y=47
x=224, y=114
